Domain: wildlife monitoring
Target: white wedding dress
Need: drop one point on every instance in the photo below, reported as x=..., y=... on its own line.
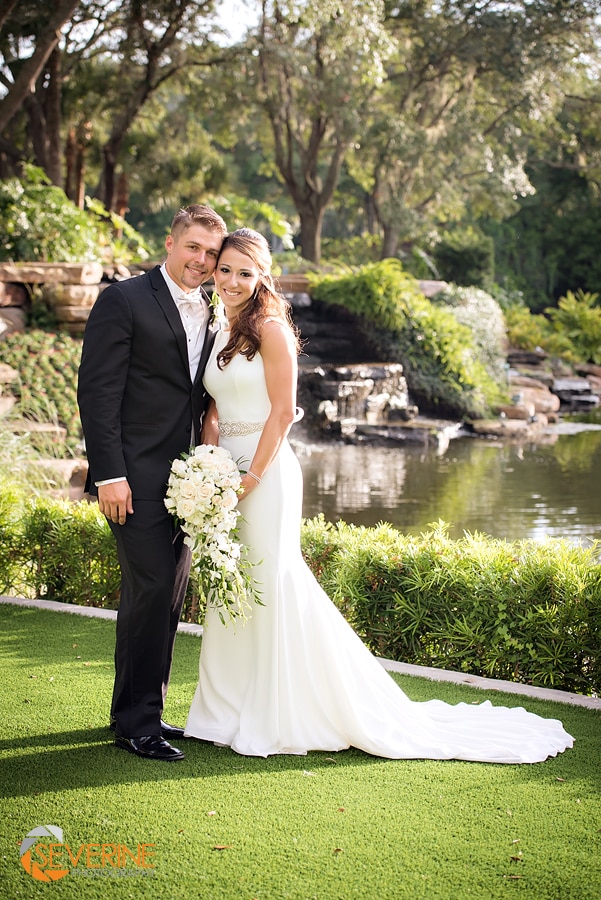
x=296, y=677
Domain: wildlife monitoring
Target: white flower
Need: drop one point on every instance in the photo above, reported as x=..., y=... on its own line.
x=202, y=493
x=178, y=467
x=185, y=508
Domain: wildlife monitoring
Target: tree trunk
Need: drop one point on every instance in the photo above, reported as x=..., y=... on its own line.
x=36, y=129
x=70, y=153
x=80, y=170
x=111, y=155
x=53, y=119
x=24, y=82
x=311, y=221
x=390, y=242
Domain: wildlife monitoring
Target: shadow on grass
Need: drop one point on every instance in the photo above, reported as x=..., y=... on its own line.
x=37, y=645
x=72, y=760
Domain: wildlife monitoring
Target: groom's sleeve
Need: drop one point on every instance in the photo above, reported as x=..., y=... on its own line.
x=102, y=376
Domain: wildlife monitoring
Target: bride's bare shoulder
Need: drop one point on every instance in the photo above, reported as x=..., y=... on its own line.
x=276, y=330
x=274, y=325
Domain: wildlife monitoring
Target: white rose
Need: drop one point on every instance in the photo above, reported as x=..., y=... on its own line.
x=185, y=508
x=229, y=499
x=205, y=491
x=187, y=490
x=178, y=467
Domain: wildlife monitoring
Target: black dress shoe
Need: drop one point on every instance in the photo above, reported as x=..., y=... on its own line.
x=171, y=732
x=149, y=747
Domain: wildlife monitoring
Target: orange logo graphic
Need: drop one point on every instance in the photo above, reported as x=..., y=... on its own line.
x=45, y=856
x=36, y=854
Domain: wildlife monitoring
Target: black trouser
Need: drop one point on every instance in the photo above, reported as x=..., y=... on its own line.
x=155, y=564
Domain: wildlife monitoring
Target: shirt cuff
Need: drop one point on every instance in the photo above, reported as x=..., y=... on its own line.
x=110, y=481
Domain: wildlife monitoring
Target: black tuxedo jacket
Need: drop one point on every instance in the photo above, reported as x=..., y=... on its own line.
x=136, y=400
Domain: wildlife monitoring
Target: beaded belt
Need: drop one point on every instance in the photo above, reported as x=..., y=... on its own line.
x=236, y=429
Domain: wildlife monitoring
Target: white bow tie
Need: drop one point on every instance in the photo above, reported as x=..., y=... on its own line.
x=192, y=297
x=191, y=304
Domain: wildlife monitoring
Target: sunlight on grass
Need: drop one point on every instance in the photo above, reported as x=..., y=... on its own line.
x=330, y=826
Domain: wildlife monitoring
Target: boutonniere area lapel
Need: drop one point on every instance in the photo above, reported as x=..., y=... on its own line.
x=217, y=310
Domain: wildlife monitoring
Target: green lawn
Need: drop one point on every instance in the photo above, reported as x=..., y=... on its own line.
x=219, y=825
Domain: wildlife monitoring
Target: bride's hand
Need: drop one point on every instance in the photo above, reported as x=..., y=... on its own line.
x=247, y=483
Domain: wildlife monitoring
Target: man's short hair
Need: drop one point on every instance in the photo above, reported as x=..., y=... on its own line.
x=198, y=214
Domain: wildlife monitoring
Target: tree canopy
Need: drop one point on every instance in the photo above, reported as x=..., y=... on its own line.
x=395, y=122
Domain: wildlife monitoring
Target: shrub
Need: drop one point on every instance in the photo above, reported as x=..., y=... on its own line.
x=39, y=223
x=577, y=318
x=571, y=331
x=519, y=611
x=465, y=257
x=483, y=316
x=443, y=372
x=46, y=390
x=71, y=554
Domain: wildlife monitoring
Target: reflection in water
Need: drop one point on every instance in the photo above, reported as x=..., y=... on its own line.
x=536, y=490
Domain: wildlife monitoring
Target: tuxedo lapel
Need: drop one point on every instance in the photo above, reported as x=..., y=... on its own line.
x=165, y=300
x=212, y=329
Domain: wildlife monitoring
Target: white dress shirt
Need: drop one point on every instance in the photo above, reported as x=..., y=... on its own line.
x=193, y=313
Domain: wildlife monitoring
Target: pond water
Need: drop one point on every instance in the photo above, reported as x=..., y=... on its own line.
x=550, y=487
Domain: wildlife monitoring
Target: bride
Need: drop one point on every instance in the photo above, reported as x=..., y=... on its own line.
x=296, y=677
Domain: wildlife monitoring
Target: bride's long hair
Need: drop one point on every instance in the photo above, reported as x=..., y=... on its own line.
x=265, y=303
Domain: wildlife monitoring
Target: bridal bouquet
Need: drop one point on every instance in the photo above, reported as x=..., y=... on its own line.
x=202, y=493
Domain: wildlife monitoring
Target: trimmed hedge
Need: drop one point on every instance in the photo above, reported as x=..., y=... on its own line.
x=519, y=611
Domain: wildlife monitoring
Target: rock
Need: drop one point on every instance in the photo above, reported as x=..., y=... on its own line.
x=543, y=400
x=7, y=374
x=117, y=272
x=71, y=295
x=595, y=383
x=588, y=369
x=506, y=428
x=12, y=294
x=517, y=380
x=6, y=405
x=575, y=393
x=72, y=313
x=431, y=288
x=523, y=411
x=57, y=273
x=12, y=319
x=517, y=357
x=571, y=386
x=67, y=476
x=41, y=432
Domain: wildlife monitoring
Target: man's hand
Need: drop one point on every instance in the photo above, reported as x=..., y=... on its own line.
x=115, y=501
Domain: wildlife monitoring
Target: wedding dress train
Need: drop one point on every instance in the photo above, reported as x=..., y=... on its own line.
x=296, y=677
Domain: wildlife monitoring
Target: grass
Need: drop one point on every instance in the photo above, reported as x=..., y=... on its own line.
x=222, y=826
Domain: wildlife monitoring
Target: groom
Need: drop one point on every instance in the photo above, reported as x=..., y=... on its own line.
x=141, y=403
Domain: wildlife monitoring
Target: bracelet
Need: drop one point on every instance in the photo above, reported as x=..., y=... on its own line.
x=256, y=477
